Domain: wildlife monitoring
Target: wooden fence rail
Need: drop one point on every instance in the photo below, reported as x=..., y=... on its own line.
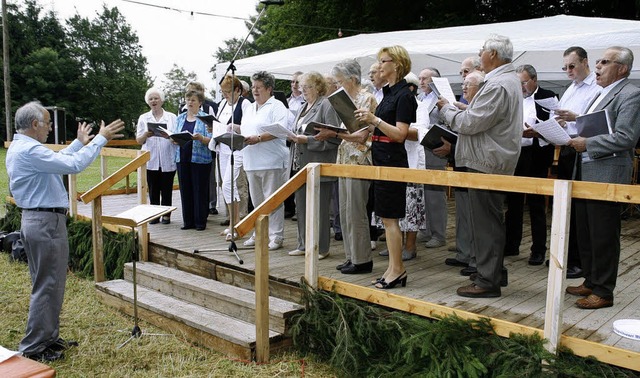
x=562, y=191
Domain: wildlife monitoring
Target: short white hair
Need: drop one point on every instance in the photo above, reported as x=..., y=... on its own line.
x=151, y=91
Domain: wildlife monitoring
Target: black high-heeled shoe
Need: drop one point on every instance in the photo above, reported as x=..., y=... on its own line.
x=377, y=281
x=401, y=279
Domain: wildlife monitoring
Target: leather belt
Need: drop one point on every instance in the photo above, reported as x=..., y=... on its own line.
x=59, y=210
x=381, y=139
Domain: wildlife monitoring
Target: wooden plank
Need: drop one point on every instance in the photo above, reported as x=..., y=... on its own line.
x=312, y=232
x=22, y=367
x=584, y=348
x=119, y=152
x=115, y=177
x=273, y=202
x=97, y=239
x=557, y=264
x=262, y=289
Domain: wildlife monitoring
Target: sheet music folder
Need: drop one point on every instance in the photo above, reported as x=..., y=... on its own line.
x=432, y=139
x=238, y=141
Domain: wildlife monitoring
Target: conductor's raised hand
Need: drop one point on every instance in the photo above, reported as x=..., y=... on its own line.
x=112, y=130
x=84, y=133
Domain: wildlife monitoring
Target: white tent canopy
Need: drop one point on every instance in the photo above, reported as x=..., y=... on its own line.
x=539, y=42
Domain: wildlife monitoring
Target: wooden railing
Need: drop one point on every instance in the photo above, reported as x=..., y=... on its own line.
x=562, y=192
x=138, y=162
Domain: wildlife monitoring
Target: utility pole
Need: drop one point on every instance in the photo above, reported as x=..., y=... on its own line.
x=5, y=63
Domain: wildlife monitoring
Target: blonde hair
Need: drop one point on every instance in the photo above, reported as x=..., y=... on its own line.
x=317, y=80
x=400, y=57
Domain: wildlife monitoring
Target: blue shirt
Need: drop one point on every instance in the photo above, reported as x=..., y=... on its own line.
x=200, y=152
x=35, y=170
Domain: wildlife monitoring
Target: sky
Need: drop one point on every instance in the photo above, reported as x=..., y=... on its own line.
x=170, y=36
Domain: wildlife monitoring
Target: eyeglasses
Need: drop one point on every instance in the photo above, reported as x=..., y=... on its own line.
x=523, y=83
x=226, y=91
x=465, y=71
x=569, y=67
x=307, y=87
x=294, y=81
x=604, y=62
x=46, y=123
x=382, y=61
x=467, y=85
x=258, y=87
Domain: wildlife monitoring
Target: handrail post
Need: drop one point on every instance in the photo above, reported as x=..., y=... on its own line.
x=312, y=225
x=262, y=289
x=72, y=181
x=96, y=237
x=560, y=224
x=143, y=233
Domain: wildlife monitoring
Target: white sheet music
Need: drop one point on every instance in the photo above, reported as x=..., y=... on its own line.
x=552, y=132
x=278, y=131
x=550, y=103
x=443, y=85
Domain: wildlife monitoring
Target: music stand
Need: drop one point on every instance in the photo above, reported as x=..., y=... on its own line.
x=233, y=248
x=137, y=216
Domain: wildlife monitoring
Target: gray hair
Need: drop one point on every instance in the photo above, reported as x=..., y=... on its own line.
x=350, y=69
x=266, y=78
x=151, y=91
x=475, y=62
x=435, y=72
x=625, y=57
x=528, y=69
x=478, y=76
x=502, y=45
x=27, y=113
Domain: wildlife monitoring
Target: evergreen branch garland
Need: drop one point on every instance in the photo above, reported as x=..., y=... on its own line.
x=361, y=339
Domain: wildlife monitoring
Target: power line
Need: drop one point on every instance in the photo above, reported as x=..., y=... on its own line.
x=239, y=18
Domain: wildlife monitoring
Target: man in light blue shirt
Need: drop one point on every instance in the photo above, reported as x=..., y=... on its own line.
x=36, y=185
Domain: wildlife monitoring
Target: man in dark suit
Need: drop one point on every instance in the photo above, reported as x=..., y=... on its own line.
x=598, y=222
x=536, y=156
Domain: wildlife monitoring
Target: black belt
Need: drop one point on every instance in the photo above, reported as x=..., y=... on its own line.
x=59, y=210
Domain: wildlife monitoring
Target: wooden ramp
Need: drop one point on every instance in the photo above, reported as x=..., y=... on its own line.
x=430, y=280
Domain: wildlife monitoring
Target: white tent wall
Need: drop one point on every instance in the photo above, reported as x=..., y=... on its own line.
x=539, y=42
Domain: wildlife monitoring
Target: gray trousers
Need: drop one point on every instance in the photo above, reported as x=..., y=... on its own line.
x=326, y=189
x=44, y=236
x=354, y=194
x=435, y=200
x=463, y=229
x=488, y=234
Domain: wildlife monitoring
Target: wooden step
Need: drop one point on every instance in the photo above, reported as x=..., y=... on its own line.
x=207, y=327
x=236, y=302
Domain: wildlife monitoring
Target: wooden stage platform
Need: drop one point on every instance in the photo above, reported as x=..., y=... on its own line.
x=522, y=301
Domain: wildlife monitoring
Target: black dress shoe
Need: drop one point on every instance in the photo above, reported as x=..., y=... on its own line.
x=154, y=221
x=47, y=355
x=344, y=264
x=213, y=211
x=225, y=222
x=468, y=271
x=62, y=344
x=536, y=259
x=165, y=220
x=200, y=228
x=512, y=253
x=187, y=227
x=338, y=236
x=357, y=268
x=574, y=272
x=454, y=262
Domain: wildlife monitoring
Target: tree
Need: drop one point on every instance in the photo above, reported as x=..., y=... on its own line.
x=114, y=76
x=174, y=85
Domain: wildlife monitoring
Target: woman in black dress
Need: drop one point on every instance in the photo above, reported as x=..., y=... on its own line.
x=391, y=124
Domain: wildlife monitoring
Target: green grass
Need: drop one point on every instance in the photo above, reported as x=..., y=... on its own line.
x=97, y=328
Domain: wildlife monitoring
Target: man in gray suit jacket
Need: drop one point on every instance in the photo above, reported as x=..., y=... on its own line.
x=598, y=222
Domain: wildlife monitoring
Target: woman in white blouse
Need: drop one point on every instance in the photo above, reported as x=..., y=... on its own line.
x=161, y=167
